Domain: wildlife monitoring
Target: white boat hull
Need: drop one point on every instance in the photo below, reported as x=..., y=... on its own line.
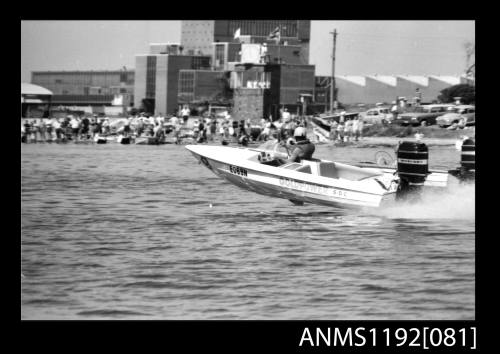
x=237, y=166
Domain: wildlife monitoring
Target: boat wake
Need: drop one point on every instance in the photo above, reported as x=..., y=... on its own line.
x=456, y=202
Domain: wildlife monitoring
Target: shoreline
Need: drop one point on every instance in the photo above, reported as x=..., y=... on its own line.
x=389, y=141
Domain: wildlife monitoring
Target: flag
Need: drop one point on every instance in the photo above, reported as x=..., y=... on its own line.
x=237, y=33
x=275, y=34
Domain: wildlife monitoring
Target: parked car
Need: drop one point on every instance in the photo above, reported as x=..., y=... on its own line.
x=461, y=115
x=423, y=115
x=378, y=115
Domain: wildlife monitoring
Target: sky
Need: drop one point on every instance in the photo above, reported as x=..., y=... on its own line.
x=363, y=47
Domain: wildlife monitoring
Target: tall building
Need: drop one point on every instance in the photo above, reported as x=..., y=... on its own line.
x=197, y=36
x=157, y=79
x=266, y=73
x=199, y=86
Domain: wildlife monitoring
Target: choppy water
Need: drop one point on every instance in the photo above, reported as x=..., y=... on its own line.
x=127, y=232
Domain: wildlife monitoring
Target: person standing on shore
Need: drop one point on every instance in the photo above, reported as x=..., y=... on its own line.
x=394, y=110
x=361, y=125
x=75, y=127
x=342, y=118
x=98, y=126
x=221, y=130
x=85, y=123
x=185, y=112
x=157, y=131
x=27, y=131
x=140, y=126
x=43, y=130
x=348, y=130
x=235, y=129
x=175, y=123
x=126, y=128
x=105, y=126
x=333, y=130
x=48, y=129
x=56, y=128
x=66, y=129
x=34, y=130
x=213, y=128
x=355, y=128
x=340, y=130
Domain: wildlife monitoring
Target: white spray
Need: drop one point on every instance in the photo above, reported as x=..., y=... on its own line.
x=457, y=201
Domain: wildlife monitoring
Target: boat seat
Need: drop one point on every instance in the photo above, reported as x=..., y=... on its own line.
x=328, y=169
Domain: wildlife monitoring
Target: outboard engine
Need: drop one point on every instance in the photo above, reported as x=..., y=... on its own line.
x=467, y=170
x=413, y=168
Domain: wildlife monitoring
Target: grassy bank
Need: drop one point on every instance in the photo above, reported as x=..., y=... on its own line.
x=378, y=130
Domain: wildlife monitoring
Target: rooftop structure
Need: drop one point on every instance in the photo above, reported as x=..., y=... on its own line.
x=31, y=89
x=35, y=101
x=197, y=36
x=385, y=88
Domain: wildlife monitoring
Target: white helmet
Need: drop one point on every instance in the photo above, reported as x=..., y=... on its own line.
x=300, y=131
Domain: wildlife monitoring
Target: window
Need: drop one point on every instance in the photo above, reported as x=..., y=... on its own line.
x=151, y=77
x=219, y=55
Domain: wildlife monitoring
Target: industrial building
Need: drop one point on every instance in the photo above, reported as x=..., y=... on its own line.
x=199, y=68
x=106, y=91
x=371, y=89
x=157, y=79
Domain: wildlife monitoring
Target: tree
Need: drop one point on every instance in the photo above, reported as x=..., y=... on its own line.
x=467, y=94
x=470, y=55
x=470, y=62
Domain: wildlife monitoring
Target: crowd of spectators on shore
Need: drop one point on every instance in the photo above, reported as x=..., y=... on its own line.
x=346, y=129
x=221, y=128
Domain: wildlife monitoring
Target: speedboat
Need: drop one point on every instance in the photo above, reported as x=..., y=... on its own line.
x=152, y=140
x=310, y=181
x=126, y=140
x=99, y=139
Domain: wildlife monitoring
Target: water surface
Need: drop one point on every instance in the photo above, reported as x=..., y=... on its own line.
x=145, y=232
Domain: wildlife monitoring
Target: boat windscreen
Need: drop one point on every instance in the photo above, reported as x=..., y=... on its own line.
x=274, y=146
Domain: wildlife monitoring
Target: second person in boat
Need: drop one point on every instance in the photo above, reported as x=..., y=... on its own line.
x=301, y=149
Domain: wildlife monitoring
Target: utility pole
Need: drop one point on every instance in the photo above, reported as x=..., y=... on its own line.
x=333, y=96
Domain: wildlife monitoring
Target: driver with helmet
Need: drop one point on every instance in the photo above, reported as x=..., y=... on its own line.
x=304, y=148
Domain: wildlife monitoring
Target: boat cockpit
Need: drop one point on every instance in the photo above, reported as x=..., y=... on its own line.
x=316, y=167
